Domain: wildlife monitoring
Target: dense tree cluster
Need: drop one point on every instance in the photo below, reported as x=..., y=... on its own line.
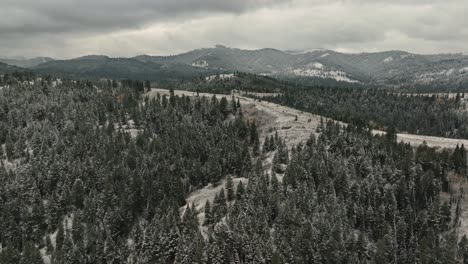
x=425, y=115
x=225, y=84
x=102, y=160
x=346, y=197
x=97, y=173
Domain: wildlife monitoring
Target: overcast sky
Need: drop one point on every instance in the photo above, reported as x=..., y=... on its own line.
x=71, y=28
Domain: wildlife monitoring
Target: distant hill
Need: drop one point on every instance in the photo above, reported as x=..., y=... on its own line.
x=389, y=68
x=26, y=63
x=118, y=68
x=5, y=68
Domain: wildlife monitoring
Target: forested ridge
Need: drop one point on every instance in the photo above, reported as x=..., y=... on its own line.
x=435, y=115
x=379, y=109
x=94, y=172
x=226, y=83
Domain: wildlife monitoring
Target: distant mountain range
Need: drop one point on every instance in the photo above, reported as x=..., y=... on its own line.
x=390, y=68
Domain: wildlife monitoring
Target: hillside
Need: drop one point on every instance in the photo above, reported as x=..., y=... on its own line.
x=271, y=118
x=318, y=67
x=225, y=83
x=117, y=68
x=26, y=63
x=107, y=175
x=382, y=68
x=5, y=68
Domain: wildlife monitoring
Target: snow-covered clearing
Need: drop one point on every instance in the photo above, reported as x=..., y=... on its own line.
x=442, y=95
x=129, y=128
x=220, y=76
x=269, y=117
x=200, y=64
x=437, y=142
x=272, y=117
x=257, y=94
x=322, y=73
x=200, y=196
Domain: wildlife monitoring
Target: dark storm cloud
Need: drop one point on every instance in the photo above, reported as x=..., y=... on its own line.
x=69, y=16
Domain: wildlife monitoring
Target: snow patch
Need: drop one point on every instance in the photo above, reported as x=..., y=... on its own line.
x=220, y=76
x=265, y=74
x=199, y=197
x=45, y=258
x=200, y=64
x=431, y=76
x=389, y=59
x=463, y=70
x=449, y=72
x=333, y=74
x=325, y=55
x=318, y=65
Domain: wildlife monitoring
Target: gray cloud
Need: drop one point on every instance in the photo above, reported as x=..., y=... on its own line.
x=58, y=16
x=67, y=28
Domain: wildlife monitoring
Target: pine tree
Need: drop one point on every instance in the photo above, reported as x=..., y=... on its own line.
x=274, y=182
x=256, y=147
x=223, y=106
x=77, y=228
x=463, y=249
x=266, y=145
x=9, y=147
x=233, y=105
x=77, y=194
x=49, y=246
x=208, y=215
x=240, y=190
x=229, y=188
x=60, y=238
